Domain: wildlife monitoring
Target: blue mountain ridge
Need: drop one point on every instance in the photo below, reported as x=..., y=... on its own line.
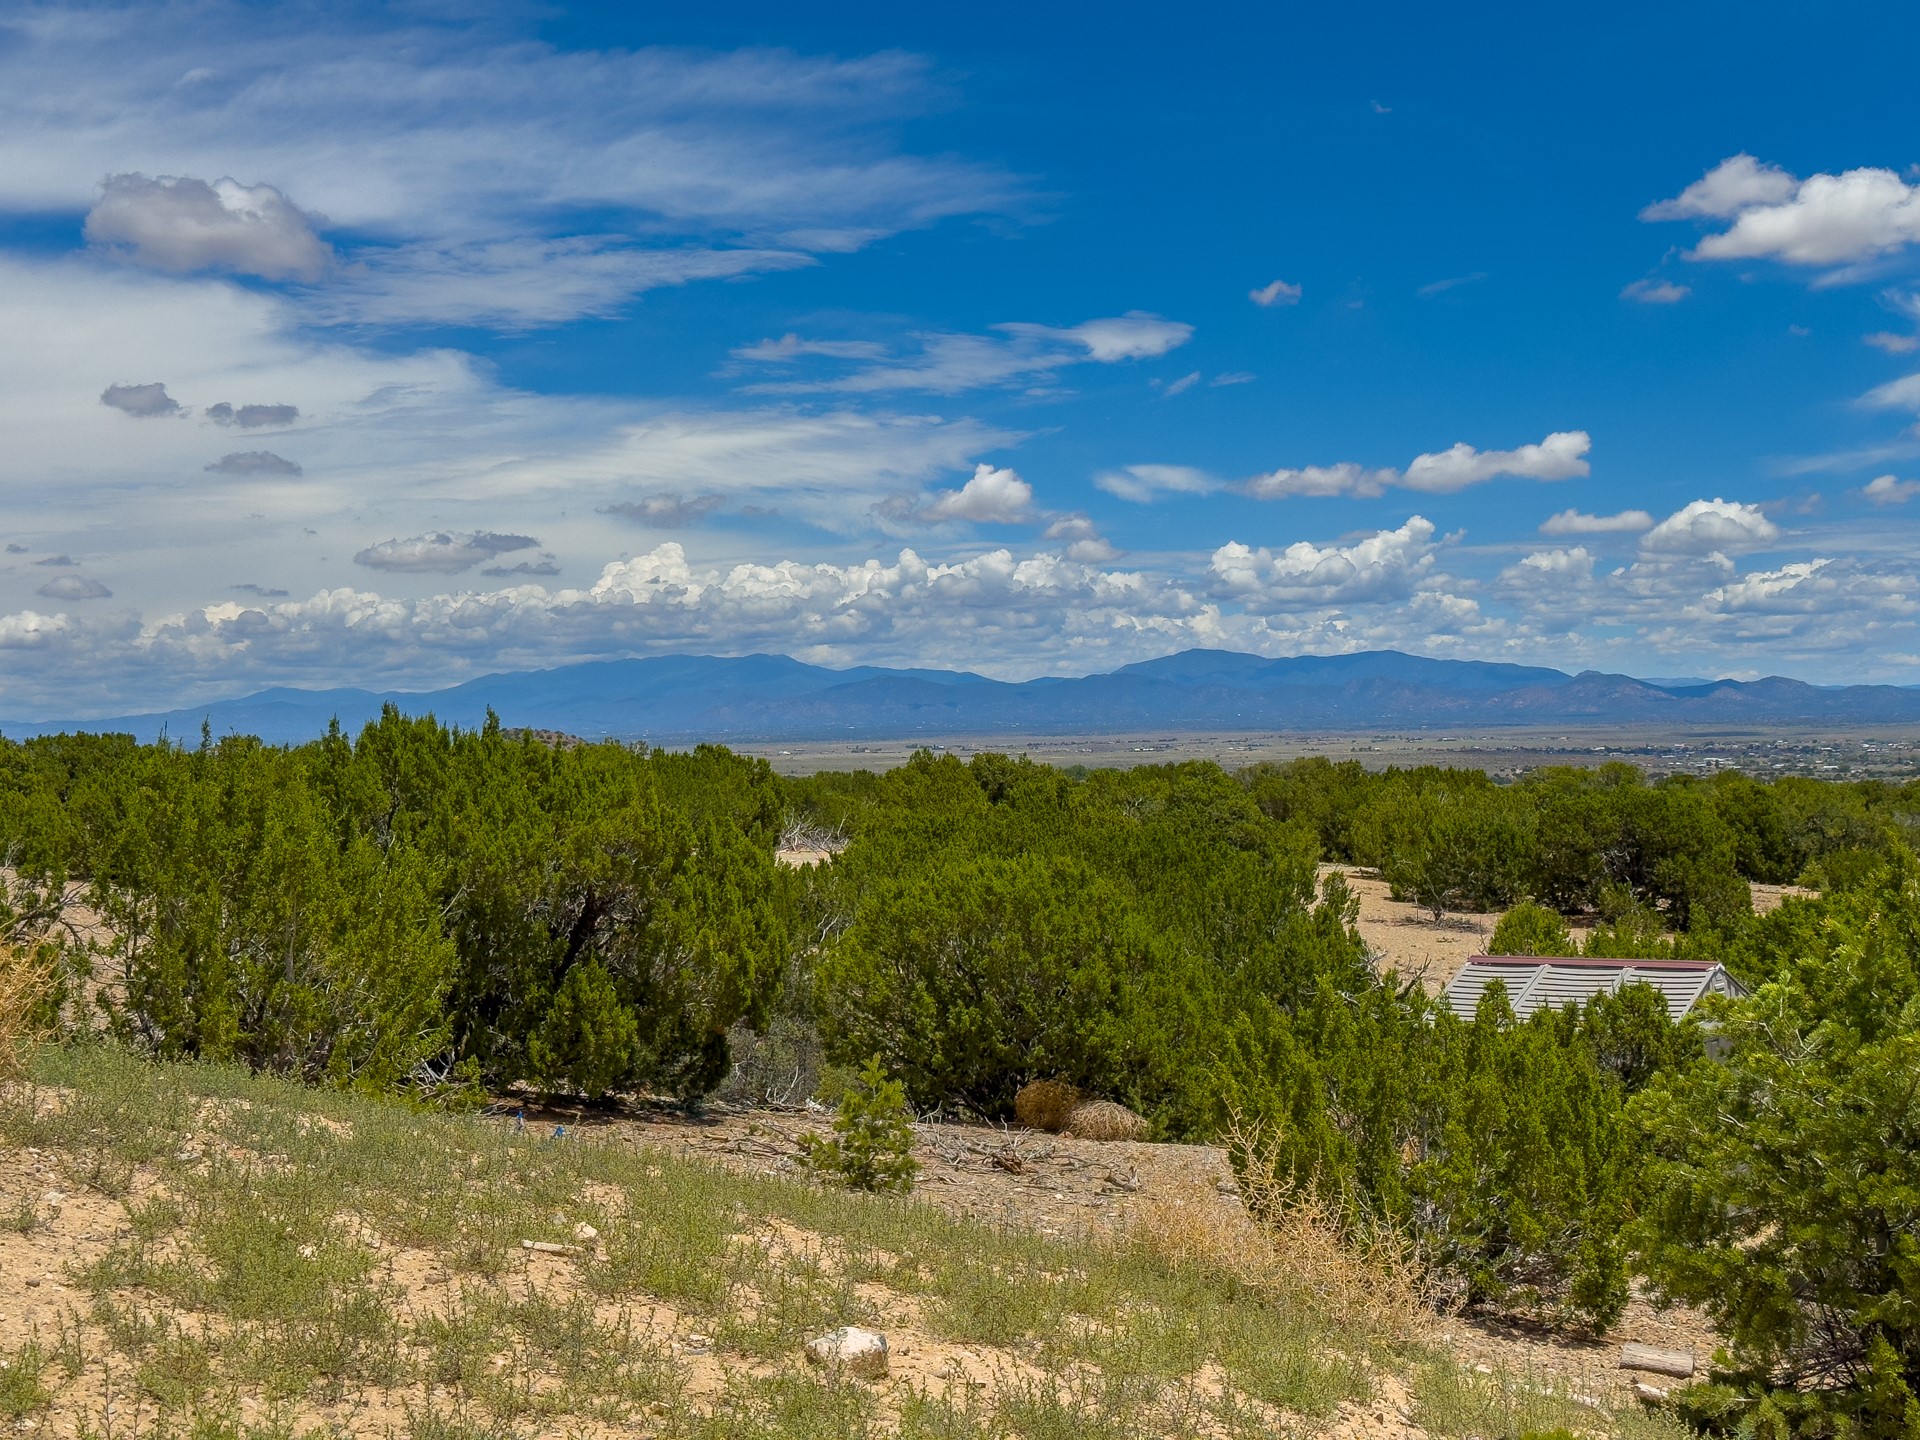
x=677, y=699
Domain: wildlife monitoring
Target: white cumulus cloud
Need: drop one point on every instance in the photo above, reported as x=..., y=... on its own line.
x=1384, y=565
x=1574, y=562
x=143, y=402
x=1346, y=478
x=252, y=417
x=253, y=462
x=1734, y=185
x=1561, y=456
x=991, y=496
x=1084, y=542
x=1823, y=220
x=1706, y=527
x=74, y=587
x=179, y=223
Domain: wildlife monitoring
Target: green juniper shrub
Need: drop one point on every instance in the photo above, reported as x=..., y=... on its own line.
x=871, y=1147
x=586, y=1042
x=1634, y=1036
x=1531, y=929
x=418, y=907
x=1783, y=1180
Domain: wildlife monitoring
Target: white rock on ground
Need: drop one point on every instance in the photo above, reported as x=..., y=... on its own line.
x=858, y=1352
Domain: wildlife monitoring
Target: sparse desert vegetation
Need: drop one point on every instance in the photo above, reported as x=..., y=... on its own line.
x=200, y=1251
x=413, y=922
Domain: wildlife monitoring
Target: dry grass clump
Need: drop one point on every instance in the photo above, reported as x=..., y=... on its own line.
x=1104, y=1120
x=1046, y=1105
x=24, y=977
x=1063, y=1109
x=1290, y=1242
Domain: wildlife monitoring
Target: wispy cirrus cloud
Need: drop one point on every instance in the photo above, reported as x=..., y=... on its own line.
x=1144, y=483
x=1656, y=292
x=1452, y=282
x=1890, y=490
x=666, y=511
x=1017, y=353
x=412, y=169
x=440, y=553
x=1575, y=522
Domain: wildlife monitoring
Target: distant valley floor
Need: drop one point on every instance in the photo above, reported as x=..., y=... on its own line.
x=1825, y=752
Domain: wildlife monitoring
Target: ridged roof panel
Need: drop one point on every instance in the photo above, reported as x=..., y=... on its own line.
x=1544, y=982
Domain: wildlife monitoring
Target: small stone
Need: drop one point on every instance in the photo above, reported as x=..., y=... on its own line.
x=859, y=1352
x=33, y=1282
x=54, y=1197
x=585, y=1233
x=1652, y=1394
x=547, y=1247
x=946, y=1370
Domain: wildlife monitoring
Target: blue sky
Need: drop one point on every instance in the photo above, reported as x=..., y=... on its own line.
x=388, y=346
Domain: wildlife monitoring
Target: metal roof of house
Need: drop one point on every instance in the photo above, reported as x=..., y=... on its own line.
x=1543, y=982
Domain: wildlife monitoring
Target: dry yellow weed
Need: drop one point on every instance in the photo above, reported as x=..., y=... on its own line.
x=1285, y=1239
x=24, y=977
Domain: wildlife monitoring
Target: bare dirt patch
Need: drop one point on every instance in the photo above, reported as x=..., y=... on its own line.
x=1009, y=1177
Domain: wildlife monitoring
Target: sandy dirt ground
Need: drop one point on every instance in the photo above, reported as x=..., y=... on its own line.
x=1000, y=1176
x=1062, y=1186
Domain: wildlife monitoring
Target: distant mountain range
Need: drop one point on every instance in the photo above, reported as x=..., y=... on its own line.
x=681, y=698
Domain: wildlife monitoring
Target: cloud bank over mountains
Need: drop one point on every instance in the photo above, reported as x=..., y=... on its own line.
x=1054, y=612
